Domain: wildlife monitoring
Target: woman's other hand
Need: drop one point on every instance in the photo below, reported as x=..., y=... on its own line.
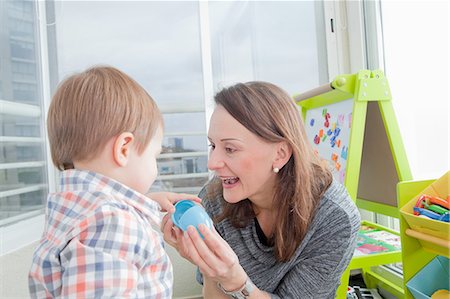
x=213, y=256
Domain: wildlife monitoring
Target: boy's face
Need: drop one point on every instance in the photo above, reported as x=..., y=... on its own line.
x=142, y=167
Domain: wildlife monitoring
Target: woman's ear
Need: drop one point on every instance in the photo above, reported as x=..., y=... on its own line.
x=122, y=148
x=283, y=154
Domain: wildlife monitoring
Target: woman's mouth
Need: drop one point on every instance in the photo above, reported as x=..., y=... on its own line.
x=229, y=181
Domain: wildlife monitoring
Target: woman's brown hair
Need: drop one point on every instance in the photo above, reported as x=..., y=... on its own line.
x=91, y=107
x=270, y=113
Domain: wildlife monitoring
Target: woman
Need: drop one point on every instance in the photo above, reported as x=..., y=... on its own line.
x=283, y=227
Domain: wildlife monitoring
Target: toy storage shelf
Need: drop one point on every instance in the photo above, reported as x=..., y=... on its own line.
x=429, y=243
x=423, y=240
x=378, y=258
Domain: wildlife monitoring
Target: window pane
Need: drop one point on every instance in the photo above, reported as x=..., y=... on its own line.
x=21, y=126
x=183, y=164
x=24, y=71
x=268, y=41
x=191, y=185
x=185, y=122
x=21, y=152
x=16, y=205
x=422, y=109
x=185, y=132
x=184, y=143
x=23, y=175
x=158, y=44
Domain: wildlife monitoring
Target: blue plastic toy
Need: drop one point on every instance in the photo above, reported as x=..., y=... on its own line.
x=430, y=214
x=188, y=213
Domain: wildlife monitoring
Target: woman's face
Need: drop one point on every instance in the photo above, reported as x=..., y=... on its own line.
x=241, y=159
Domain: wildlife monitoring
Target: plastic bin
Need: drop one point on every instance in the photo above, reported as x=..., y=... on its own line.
x=435, y=228
x=433, y=277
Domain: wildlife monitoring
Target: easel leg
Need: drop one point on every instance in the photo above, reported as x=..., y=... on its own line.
x=342, y=289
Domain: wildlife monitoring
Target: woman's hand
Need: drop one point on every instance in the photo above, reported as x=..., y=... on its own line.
x=212, y=255
x=167, y=199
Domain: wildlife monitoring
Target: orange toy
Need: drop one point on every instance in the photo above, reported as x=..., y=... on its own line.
x=433, y=200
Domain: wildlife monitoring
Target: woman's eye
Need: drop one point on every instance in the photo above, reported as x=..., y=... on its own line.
x=212, y=146
x=230, y=150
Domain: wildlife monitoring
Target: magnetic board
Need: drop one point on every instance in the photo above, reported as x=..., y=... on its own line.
x=328, y=131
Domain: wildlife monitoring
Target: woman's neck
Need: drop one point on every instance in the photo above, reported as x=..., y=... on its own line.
x=266, y=220
x=263, y=200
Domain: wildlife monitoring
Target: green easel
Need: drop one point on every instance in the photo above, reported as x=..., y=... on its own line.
x=367, y=153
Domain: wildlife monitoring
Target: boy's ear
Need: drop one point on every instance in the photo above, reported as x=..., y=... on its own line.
x=283, y=154
x=122, y=148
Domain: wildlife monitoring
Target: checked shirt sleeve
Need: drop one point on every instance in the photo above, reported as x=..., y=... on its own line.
x=112, y=255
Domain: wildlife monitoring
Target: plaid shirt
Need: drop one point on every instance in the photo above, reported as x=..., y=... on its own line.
x=99, y=242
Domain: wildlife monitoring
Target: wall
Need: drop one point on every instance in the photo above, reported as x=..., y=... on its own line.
x=14, y=272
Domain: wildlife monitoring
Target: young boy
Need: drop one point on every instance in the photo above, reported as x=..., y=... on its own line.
x=105, y=132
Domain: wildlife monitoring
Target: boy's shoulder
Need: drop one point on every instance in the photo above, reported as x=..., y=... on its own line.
x=83, y=202
x=97, y=217
x=94, y=189
x=70, y=212
x=106, y=226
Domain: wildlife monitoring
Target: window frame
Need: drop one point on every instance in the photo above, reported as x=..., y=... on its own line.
x=27, y=231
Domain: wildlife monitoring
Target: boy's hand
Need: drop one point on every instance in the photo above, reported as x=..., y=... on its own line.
x=172, y=234
x=167, y=199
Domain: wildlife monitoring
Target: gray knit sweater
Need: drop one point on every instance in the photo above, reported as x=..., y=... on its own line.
x=316, y=267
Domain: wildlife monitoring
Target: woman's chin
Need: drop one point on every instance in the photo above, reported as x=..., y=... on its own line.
x=232, y=197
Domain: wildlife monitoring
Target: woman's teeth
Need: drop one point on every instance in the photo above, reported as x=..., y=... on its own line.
x=231, y=180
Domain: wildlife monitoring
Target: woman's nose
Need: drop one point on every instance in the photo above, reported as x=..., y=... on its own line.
x=214, y=161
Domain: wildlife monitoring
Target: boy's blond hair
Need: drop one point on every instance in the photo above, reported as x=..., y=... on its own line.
x=91, y=107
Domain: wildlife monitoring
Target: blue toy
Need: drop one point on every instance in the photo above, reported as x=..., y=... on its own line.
x=432, y=215
x=188, y=213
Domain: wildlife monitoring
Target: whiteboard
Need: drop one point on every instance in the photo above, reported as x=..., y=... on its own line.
x=328, y=130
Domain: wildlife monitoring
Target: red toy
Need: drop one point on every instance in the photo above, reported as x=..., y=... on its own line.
x=432, y=200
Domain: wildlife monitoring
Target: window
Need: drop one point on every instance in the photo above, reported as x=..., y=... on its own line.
x=423, y=108
x=23, y=158
x=180, y=52
x=158, y=44
x=162, y=46
x=268, y=41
